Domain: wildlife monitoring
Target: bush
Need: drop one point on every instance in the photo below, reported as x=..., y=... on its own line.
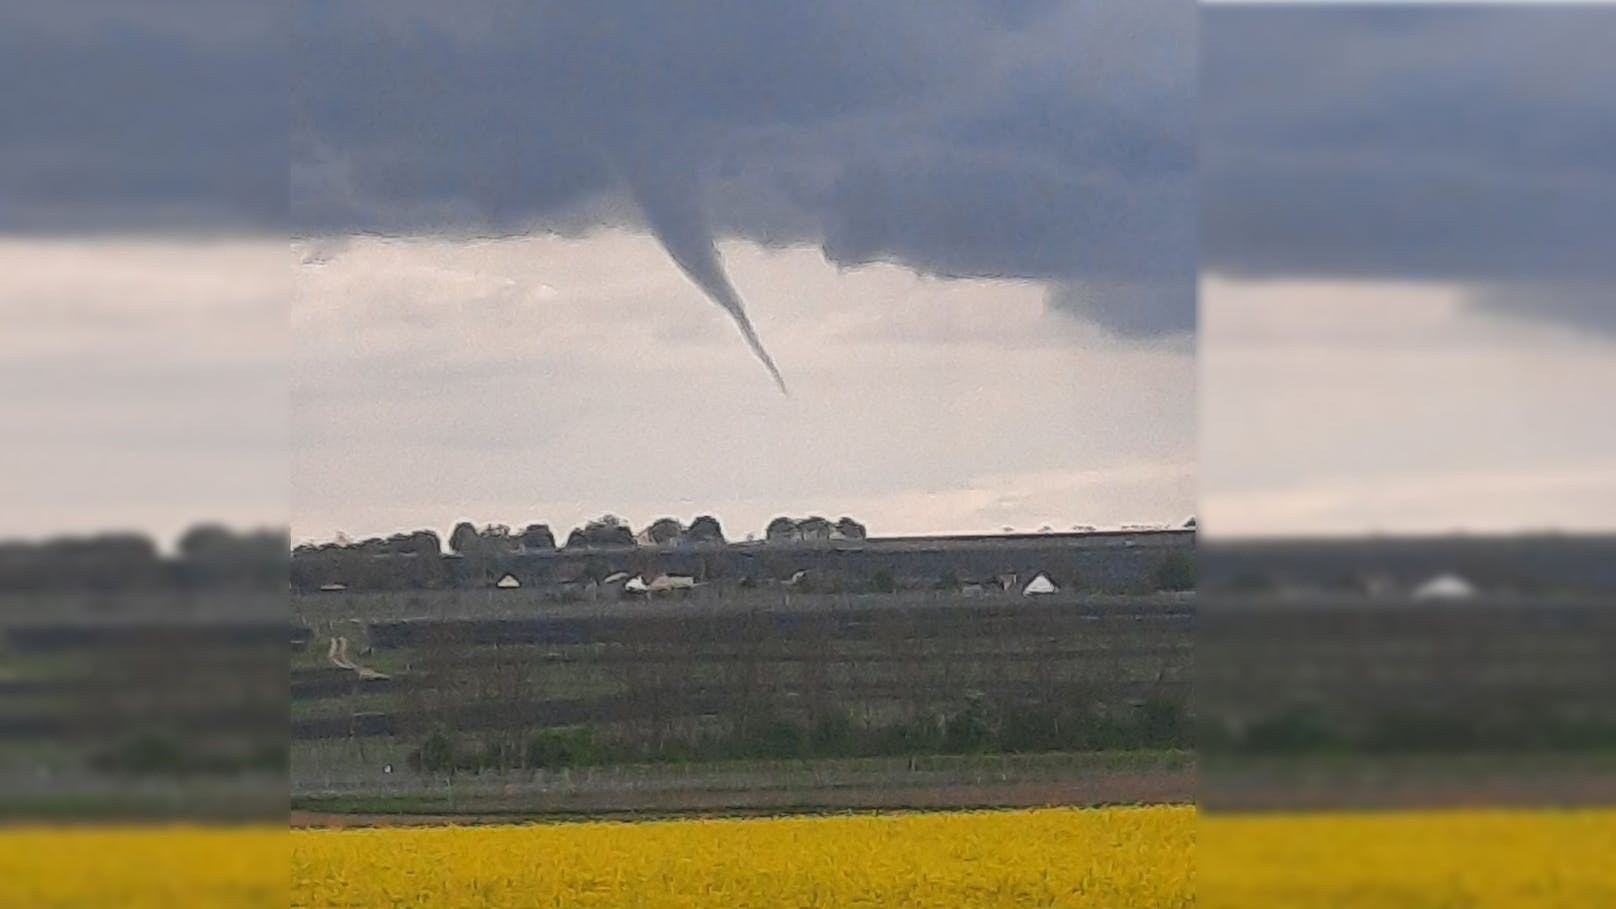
x=145, y=754
x=500, y=756
x=833, y=735
x=926, y=735
x=1027, y=731
x=883, y=582
x=971, y=730
x=778, y=738
x=1297, y=729
x=1162, y=723
x=554, y=749
x=1175, y=572
x=436, y=755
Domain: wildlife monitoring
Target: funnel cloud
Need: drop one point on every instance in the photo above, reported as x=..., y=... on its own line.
x=673, y=210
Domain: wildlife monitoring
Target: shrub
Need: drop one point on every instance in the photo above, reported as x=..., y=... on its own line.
x=833, y=735
x=883, y=582
x=1300, y=728
x=1162, y=723
x=553, y=749
x=970, y=731
x=1175, y=572
x=436, y=755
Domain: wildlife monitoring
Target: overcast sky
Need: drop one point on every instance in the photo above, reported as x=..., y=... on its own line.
x=143, y=278
x=964, y=231
x=549, y=379
x=534, y=234
x=1407, y=320
x=145, y=383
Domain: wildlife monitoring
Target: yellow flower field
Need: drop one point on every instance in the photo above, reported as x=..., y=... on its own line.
x=1404, y=860
x=143, y=867
x=1117, y=858
x=1155, y=857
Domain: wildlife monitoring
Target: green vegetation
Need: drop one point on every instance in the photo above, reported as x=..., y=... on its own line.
x=152, y=754
x=975, y=727
x=1310, y=729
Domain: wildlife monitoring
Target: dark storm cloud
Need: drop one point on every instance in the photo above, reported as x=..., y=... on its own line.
x=1464, y=145
x=1049, y=141
x=143, y=115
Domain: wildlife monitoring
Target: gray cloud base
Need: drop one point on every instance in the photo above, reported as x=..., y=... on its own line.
x=1038, y=140
x=1471, y=146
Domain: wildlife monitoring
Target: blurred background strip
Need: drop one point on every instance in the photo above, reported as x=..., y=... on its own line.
x=1408, y=467
x=143, y=549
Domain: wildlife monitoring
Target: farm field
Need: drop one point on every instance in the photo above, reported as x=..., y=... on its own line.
x=1481, y=858
x=1115, y=857
x=143, y=867
x=1119, y=858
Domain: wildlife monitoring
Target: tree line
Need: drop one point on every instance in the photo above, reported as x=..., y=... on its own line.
x=206, y=556
x=414, y=559
x=609, y=530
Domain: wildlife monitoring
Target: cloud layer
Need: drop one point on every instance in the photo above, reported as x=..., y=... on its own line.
x=1047, y=141
x=1467, y=146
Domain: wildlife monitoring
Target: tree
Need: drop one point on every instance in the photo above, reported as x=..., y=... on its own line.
x=850, y=529
x=665, y=530
x=205, y=540
x=781, y=529
x=606, y=530
x=465, y=539
x=883, y=582
x=436, y=754
x=538, y=537
x=814, y=528
x=971, y=731
x=425, y=544
x=1175, y=572
x=496, y=538
x=705, y=529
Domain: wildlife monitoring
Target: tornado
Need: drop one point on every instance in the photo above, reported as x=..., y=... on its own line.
x=670, y=199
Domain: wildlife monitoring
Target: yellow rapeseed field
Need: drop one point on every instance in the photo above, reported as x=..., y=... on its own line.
x=1115, y=858
x=143, y=867
x=1409, y=860
x=1144, y=857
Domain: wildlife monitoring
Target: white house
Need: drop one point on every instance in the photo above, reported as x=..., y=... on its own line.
x=1039, y=585
x=1445, y=587
x=669, y=582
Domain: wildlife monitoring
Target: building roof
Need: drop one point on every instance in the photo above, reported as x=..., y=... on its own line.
x=1040, y=584
x=671, y=582
x=1445, y=587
